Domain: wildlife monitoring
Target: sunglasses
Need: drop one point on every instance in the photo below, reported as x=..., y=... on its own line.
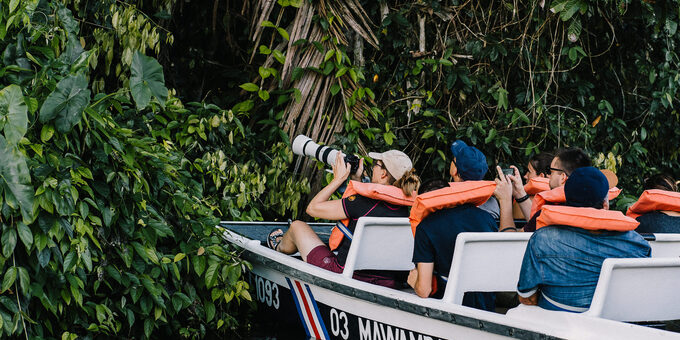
x=556, y=169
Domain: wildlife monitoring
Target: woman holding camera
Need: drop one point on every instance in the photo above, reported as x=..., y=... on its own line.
x=390, y=168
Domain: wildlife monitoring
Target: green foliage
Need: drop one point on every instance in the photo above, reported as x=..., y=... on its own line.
x=531, y=82
x=14, y=119
x=147, y=80
x=65, y=105
x=108, y=209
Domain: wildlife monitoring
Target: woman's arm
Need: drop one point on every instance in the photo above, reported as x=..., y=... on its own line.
x=518, y=192
x=420, y=279
x=320, y=206
x=503, y=194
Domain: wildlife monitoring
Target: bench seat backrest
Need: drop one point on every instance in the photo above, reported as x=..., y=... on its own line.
x=380, y=243
x=665, y=245
x=485, y=262
x=639, y=289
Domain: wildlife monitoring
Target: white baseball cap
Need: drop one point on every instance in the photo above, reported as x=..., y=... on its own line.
x=396, y=162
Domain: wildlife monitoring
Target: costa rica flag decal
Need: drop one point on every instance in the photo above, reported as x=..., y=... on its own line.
x=308, y=310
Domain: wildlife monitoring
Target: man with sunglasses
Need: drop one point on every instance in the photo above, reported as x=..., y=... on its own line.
x=563, y=164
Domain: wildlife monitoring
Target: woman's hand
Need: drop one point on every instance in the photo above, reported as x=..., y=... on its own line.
x=360, y=171
x=517, y=185
x=504, y=187
x=341, y=169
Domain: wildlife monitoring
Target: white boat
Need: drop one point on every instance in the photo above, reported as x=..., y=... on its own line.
x=319, y=304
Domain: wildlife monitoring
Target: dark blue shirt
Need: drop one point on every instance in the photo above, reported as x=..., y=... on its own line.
x=563, y=264
x=658, y=222
x=435, y=240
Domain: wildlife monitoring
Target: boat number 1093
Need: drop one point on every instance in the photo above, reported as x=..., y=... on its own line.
x=267, y=292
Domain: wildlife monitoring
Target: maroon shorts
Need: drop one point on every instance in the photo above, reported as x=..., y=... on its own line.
x=324, y=258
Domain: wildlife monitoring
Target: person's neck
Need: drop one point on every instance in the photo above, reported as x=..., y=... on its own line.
x=671, y=213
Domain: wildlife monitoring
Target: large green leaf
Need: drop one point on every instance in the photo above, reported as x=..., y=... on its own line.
x=66, y=103
x=147, y=80
x=15, y=180
x=13, y=114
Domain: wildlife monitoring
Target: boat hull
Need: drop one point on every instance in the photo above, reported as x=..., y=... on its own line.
x=310, y=311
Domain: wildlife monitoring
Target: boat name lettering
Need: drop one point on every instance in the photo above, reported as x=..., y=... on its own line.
x=267, y=292
x=339, y=324
x=374, y=330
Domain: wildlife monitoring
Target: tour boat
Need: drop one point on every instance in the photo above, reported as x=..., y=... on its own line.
x=308, y=301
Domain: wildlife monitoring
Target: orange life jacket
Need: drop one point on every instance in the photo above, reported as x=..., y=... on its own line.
x=536, y=185
x=458, y=193
x=387, y=193
x=556, y=196
x=653, y=200
x=585, y=218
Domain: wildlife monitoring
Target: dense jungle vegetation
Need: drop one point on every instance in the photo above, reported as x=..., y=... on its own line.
x=129, y=129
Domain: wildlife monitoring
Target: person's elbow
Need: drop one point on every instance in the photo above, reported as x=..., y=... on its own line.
x=312, y=210
x=423, y=290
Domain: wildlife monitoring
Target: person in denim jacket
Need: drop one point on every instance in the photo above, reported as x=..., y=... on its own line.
x=562, y=264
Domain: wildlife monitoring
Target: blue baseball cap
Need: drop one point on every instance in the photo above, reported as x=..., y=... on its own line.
x=586, y=187
x=470, y=162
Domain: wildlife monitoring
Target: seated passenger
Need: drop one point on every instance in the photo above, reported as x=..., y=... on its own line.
x=538, y=166
x=653, y=220
x=536, y=179
x=469, y=164
x=563, y=164
x=563, y=258
x=436, y=234
x=391, y=168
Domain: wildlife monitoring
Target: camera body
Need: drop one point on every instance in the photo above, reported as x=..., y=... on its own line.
x=508, y=172
x=305, y=146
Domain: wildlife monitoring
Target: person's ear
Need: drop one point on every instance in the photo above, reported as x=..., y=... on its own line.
x=453, y=170
x=383, y=173
x=564, y=178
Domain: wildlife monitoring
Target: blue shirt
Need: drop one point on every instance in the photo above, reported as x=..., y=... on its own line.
x=435, y=240
x=658, y=222
x=563, y=264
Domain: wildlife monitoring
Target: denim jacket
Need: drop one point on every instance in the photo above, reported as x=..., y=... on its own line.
x=563, y=264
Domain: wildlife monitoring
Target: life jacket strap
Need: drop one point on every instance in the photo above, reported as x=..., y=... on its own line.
x=344, y=230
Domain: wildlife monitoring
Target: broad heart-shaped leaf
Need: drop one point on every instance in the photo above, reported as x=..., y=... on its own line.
x=15, y=180
x=13, y=114
x=66, y=103
x=147, y=80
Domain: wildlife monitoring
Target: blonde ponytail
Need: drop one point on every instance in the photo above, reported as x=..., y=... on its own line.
x=408, y=183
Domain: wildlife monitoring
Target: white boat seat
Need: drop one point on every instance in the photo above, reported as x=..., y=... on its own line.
x=665, y=245
x=485, y=262
x=380, y=243
x=640, y=289
x=491, y=262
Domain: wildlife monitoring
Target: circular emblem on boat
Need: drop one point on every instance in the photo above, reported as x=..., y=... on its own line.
x=352, y=198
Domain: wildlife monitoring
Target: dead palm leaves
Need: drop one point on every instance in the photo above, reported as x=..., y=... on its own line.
x=318, y=113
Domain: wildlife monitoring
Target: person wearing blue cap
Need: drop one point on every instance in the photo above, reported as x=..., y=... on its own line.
x=435, y=236
x=469, y=164
x=563, y=258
